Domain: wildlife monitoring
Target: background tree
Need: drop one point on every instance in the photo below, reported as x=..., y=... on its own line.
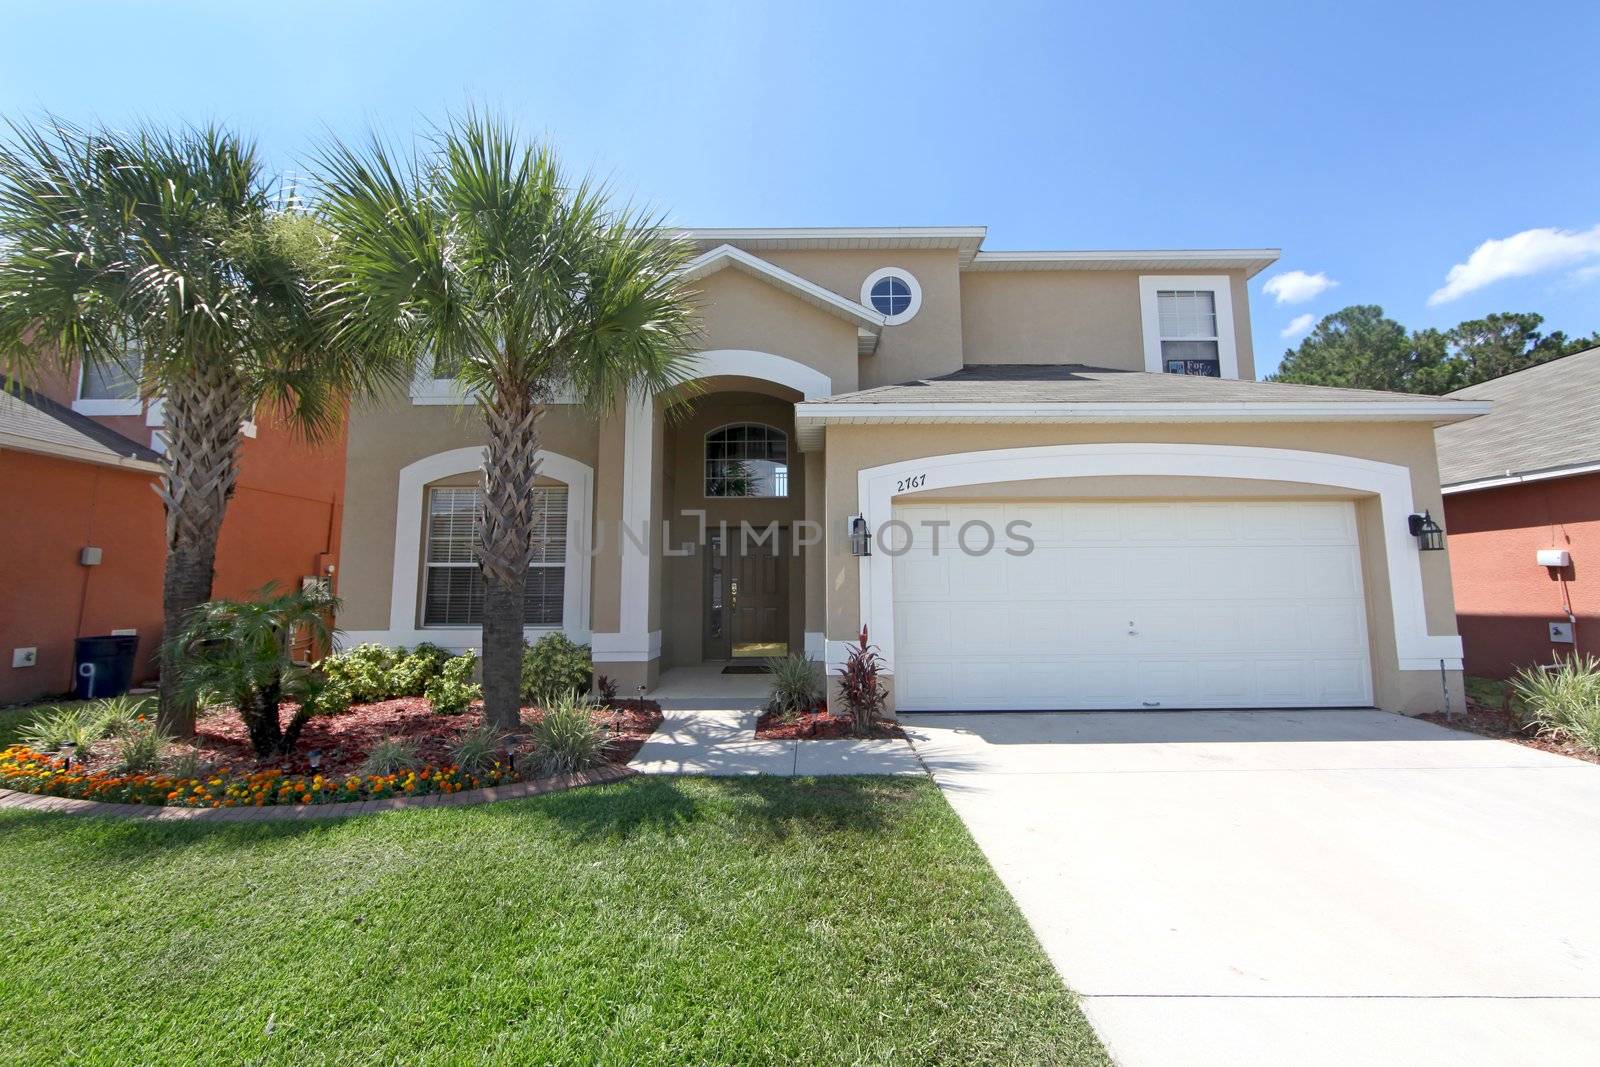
x=175, y=253
x=1360, y=348
x=476, y=250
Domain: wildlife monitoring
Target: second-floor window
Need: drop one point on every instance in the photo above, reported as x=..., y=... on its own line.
x=1190, y=341
x=112, y=379
x=747, y=459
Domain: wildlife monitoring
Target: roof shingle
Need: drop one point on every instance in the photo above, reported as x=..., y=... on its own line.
x=1544, y=418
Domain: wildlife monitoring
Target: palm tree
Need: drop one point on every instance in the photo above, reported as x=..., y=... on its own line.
x=476, y=251
x=241, y=652
x=175, y=245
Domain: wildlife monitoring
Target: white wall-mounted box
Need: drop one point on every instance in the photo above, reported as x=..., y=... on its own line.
x=1554, y=557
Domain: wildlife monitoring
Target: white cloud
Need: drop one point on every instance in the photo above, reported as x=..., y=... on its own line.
x=1298, y=325
x=1296, y=286
x=1528, y=252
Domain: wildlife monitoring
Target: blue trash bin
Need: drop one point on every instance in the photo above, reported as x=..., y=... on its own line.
x=103, y=666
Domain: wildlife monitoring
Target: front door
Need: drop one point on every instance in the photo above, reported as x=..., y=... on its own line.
x=747, y=597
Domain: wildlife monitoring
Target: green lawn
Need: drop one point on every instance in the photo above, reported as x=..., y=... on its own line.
x=658, y=920
x=14, y=718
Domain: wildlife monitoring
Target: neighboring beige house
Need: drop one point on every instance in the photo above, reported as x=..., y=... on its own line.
x=1168, y=532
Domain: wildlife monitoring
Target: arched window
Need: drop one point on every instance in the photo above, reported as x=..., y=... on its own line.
x=747, y=459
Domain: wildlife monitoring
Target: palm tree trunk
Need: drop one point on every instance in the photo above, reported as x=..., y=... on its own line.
x=199, y=469
x=505, y=549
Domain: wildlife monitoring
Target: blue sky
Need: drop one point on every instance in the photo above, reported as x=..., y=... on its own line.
x=1378, y=144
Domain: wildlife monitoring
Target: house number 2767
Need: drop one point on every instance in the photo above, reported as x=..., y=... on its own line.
x=916, y=481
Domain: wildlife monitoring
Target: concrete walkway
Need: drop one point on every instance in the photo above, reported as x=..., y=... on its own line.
x=709, y=727
x=1326, y=887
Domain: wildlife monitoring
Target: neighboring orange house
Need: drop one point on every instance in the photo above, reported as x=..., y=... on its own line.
x=79, y=460
x=1521, y=481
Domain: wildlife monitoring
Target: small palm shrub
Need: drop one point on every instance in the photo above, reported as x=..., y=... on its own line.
x=1563, y=701
x=862, y=694
x=555, y=665
x=238, y=652
x=566, y=738
x=117, y=714
x=391, y=756
x=452, y=690
x=477, y=750
x=140, y=747
x=796, y=685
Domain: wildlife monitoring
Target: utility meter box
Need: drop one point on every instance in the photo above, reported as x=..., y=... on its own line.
x=1554, y=557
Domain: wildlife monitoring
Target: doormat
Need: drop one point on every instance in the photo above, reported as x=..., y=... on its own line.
x=746, y=668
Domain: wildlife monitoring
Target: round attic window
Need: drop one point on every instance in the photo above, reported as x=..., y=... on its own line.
x=892, y=293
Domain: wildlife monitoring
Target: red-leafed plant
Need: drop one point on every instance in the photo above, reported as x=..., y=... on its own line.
x=859, y=689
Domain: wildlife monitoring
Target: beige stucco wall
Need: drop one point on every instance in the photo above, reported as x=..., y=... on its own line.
x=849, y=449
x=739, y=311
x=930, y=342
x=386, y=436
x=1073, y=316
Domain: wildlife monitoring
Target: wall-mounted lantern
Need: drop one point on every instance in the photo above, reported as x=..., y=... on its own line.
x=1429, y=534
x=860, y=536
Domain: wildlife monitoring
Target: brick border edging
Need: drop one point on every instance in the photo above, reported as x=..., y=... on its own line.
x=13, y=800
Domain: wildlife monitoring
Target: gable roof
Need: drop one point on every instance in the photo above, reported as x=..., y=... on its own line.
x=1027, y=393
x=1544, y=425
x=32, y=422
x=724, y=256
x=963, y=240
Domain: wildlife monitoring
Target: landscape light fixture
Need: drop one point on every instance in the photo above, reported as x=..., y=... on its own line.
x=511, y=750
x=314, y=757
x=67, y=748
x=1429, y=534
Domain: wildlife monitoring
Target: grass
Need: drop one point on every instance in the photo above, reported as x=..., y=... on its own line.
x=658, y=920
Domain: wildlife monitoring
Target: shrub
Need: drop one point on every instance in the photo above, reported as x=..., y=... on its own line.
x=183, y=761
x=71, y=725
x=84, y=724
x=365, y=673
x=415, y=669
x=478, y=750
x=238, y=651
x=555, y=666
x=452, y=690
x=390, y=756
x=566, y=738
x=859, y=689
x=1564, y=701
x=608, y=688
x=139, y=748
x=796, y=685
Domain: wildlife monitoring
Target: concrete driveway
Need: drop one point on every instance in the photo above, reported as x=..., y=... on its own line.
x=1311, y=887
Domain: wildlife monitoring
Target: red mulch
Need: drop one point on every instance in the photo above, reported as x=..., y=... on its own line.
x=1497, y=722
x=817, y=725
x=346, y=738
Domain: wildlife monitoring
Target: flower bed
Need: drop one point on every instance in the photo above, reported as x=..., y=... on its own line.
x=232, y=778
x=27, y=771
x=818, y=725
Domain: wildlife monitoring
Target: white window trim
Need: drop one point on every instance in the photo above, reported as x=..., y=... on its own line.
x=911, y=282
x=101, y=405
x=1221, y=288
x=405, y=607
x=428, y=391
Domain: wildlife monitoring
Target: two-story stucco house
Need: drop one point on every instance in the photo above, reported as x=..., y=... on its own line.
x=1167, y=531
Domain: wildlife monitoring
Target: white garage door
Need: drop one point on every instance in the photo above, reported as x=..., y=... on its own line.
x=1131, y=605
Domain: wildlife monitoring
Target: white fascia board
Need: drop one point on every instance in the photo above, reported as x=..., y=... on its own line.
x=104, y=458
x=728, y=256
x=810, y=419
x=1518, y=479
x=1253, y=260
